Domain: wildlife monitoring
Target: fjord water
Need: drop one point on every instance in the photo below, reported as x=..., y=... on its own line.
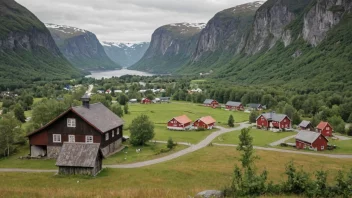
x=116, y=73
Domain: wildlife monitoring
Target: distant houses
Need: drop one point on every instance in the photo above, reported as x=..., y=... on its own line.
x=146, y=101
x=211, y=103
x=237, y=106
x=311, y=140
x=273, y=120
x=324, y=128
x=133, y=101
x=255, y=107
x=206, y=122
x=180, y=123
x=165, y=99
x=306, y=126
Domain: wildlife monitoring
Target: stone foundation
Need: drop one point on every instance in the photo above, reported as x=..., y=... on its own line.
x=53, y=151
x=112, y=147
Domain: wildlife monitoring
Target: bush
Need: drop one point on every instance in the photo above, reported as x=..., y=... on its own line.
x=142, y=130
x=170, y=143
x=231, y=121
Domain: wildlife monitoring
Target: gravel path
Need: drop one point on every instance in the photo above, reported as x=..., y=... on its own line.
x=295, y=152
x=342, y=137
x=283, y=140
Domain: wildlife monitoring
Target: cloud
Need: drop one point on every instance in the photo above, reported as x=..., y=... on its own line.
x=125, y=20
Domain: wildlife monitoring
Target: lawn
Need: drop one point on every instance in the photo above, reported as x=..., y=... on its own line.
x=208, y=168
x=0, y=104
x=260, y=137
x=148, y=152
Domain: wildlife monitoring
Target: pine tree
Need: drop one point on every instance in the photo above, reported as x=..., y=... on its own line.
x=231, y=121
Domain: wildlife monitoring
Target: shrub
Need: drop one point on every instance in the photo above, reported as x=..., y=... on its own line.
x=170, y=143
x=142, y=130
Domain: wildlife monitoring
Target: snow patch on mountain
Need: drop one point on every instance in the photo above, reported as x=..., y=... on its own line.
x=122, y=44
x=252, y=5
x=64, y=28
x=192, y=25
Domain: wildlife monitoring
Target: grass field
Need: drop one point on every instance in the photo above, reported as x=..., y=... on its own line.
x=0, y=104
x=260, y=137
x=208, y=168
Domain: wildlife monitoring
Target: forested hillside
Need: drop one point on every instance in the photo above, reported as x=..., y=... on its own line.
x=27, y=51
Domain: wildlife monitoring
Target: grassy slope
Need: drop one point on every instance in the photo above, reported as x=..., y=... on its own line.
x=208, y=168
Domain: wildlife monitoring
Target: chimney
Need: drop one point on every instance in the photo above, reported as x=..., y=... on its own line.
x=85, y=100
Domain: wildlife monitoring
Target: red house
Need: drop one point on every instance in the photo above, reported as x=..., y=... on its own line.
x=234, y=106
x=146, y=101
x=180, y=123
x=211, y=103
x=306, y=126
x=325, y=129
x=273, y=120
x=207, y=122
x=311, y=140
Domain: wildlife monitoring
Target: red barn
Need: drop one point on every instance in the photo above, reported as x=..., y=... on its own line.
x=273, y=120
x=306, y=126
x=234, y=106
x=312, y=140
x=207, y=122
x=324, y=128
x=146, y=101
x=180, y=123
x=211, y=103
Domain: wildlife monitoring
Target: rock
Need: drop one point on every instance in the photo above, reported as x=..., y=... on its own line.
x=297, y=54
x=210, y=194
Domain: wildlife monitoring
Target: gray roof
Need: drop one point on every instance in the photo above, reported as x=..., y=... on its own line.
x=99, y=116
x=253, y=105
x=208, y=101
x=78, y=154
x=304, y=123
x=274, y=116
x=233, y=104
x=308, y=136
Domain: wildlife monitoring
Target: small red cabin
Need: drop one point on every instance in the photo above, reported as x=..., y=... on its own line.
x=146, y=101
x=325, y=129
x=211, y=103
x=207, y=122
x=180, y=123
x=234, y=106
x=311, y=140
x=306, y=126
x=273, y=120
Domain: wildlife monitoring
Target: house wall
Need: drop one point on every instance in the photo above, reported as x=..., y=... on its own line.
x=285, y=123
x=262, y=122
x=111, y=139
x=200, y=124
x=67, y=170
x=327, y=131
x=112, y=147
x=175, y=125
x=320, y=143
x=53, y=152
x=40, y=139
x=238, y=108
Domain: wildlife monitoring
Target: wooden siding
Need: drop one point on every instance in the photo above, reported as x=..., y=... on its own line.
x=175, y=123
x=92, y=171
x=201, y=124
x=327, y=131
x=237, y=108
x=320, y=144
x=39, y=139
x=105, y=142
x=262, y=122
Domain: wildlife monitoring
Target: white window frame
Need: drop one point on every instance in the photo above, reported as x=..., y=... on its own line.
x=118, y=131
x=327, y=128
x=113, y=133
x=71, y=138
x=106, y=136
x=57, y=138
x=322, y=147
x=71, y=122
x=89, y=139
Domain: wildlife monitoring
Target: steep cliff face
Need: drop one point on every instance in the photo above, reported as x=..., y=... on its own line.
x=81, y=48
x=125, y=54
x=27, y=50
x=322, y=17
x=171, y=46
x=226, y=31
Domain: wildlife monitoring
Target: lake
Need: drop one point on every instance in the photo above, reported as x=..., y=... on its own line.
x=116, y=73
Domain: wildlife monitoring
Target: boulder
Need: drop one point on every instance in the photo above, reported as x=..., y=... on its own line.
x=210, y=194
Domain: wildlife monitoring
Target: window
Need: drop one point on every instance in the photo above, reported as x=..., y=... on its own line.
x=71, y=122
x=118, y=131
x=106, y=136
x=71, y=138
x=327, y=128
x=285, y=120
x=89, y=139
x=322, y=147
x=112, y=133
x=57, y=138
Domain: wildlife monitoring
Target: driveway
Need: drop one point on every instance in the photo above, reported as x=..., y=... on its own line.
x=283, y=140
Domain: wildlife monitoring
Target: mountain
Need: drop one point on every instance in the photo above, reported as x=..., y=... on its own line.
x=171, y=47
x=81, y=48
x=27, y=51
x=125, y=54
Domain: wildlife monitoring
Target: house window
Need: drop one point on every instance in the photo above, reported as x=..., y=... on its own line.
x=284, y=120
x=322, y=147
x=118, y=131
x=71, y=122
x=106, y=136
x=112, y=133
x=327, y=128
x=89, y=139
x=57, y=138
x=71, y=138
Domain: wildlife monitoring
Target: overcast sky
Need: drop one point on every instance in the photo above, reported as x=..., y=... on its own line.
x=125, y=20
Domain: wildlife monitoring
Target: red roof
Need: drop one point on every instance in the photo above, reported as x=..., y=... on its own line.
x=207, y=120
x=322, y=125
x=183, y=119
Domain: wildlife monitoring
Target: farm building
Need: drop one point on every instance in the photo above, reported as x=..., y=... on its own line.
x=273, y=120
x=325, y=129
x=146, y=101
x=206, y=122
x=180, y=123
x=133, y=101
x=165, y=99
x=108, y=91
x=312, y=140
x=255, y=107
x=211, y=103
x=89, y=123
x=230, y=105
x=306, y=126
x=80, y=159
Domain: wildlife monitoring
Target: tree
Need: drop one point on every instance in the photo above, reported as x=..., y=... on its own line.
x=170, y=143
x=117, y=109
x=101, y=98
x=125, y=108
x=349, y=131
x=123, y=99
x=19, y=113
x=150, y=96
x=231, y=121
x=46, y=110
x=10, y=133
x=142, y=130
x=253, y=117
x=246, y=146
x=350, y=118
x=337, y=123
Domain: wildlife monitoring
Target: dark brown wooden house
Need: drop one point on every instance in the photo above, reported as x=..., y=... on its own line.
x=89, y=123
x=80, y=159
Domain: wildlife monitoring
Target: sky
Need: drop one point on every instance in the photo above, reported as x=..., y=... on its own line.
x=125, y=20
